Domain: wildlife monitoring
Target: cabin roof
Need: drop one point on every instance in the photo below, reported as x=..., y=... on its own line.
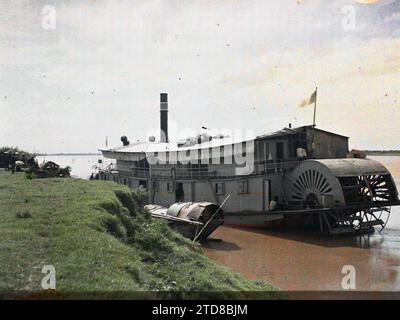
x=290, y=131
x=148, y=147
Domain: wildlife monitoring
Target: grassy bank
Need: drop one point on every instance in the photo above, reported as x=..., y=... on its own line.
x=101, y=244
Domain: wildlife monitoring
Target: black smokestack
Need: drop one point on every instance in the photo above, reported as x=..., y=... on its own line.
x=164, y=117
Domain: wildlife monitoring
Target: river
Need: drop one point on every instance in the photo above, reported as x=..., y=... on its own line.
x=298, y=260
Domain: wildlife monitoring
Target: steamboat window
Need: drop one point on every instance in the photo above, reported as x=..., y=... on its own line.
x=266, y=150
x=243, y=149
x=215, y=155
x=227, y=154
x=170, y=187
x=143, y=184
x=204, y=155
x=242, y=186
x=219, y=188
x=279, y=150
x=162, y=157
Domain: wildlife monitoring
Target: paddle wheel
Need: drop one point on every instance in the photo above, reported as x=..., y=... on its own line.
x=344, y=195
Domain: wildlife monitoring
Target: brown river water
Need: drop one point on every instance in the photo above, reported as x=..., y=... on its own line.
x=303, y=261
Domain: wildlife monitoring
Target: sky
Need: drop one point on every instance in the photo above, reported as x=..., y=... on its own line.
x=75, y=72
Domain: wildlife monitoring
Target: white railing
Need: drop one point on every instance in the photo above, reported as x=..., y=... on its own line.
x=194, y=172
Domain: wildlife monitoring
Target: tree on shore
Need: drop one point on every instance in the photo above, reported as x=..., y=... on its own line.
x=8, y=156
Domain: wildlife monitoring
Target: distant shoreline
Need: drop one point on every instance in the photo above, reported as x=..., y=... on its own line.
x=68, y=154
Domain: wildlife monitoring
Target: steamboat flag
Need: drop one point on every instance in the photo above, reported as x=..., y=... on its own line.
x=309, y=100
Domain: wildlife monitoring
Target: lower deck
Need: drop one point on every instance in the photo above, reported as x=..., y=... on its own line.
x=251, y=199
x=249, y=194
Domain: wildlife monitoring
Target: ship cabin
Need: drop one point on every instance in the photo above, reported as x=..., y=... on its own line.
x=286, y=144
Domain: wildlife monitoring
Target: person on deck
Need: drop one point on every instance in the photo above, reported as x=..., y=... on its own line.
x=274, y=204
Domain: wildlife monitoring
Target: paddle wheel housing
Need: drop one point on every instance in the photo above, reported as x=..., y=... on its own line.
x=346, y=195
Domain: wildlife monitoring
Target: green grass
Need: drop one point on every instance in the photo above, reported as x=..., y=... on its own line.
x=102, y=245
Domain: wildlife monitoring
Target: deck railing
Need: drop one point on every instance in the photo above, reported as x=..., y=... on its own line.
x=195, y=172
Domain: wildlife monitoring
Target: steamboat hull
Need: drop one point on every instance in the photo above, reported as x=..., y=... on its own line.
x=362, y=219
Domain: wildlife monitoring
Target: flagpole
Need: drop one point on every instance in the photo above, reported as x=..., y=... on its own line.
x=313, y=127
x=315, y=105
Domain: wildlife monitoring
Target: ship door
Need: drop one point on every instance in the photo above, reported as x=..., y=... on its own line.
x=279, y=150
x=266, y=194
x=179, y=193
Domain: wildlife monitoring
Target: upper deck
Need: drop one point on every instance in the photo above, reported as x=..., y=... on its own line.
x=211, y=157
